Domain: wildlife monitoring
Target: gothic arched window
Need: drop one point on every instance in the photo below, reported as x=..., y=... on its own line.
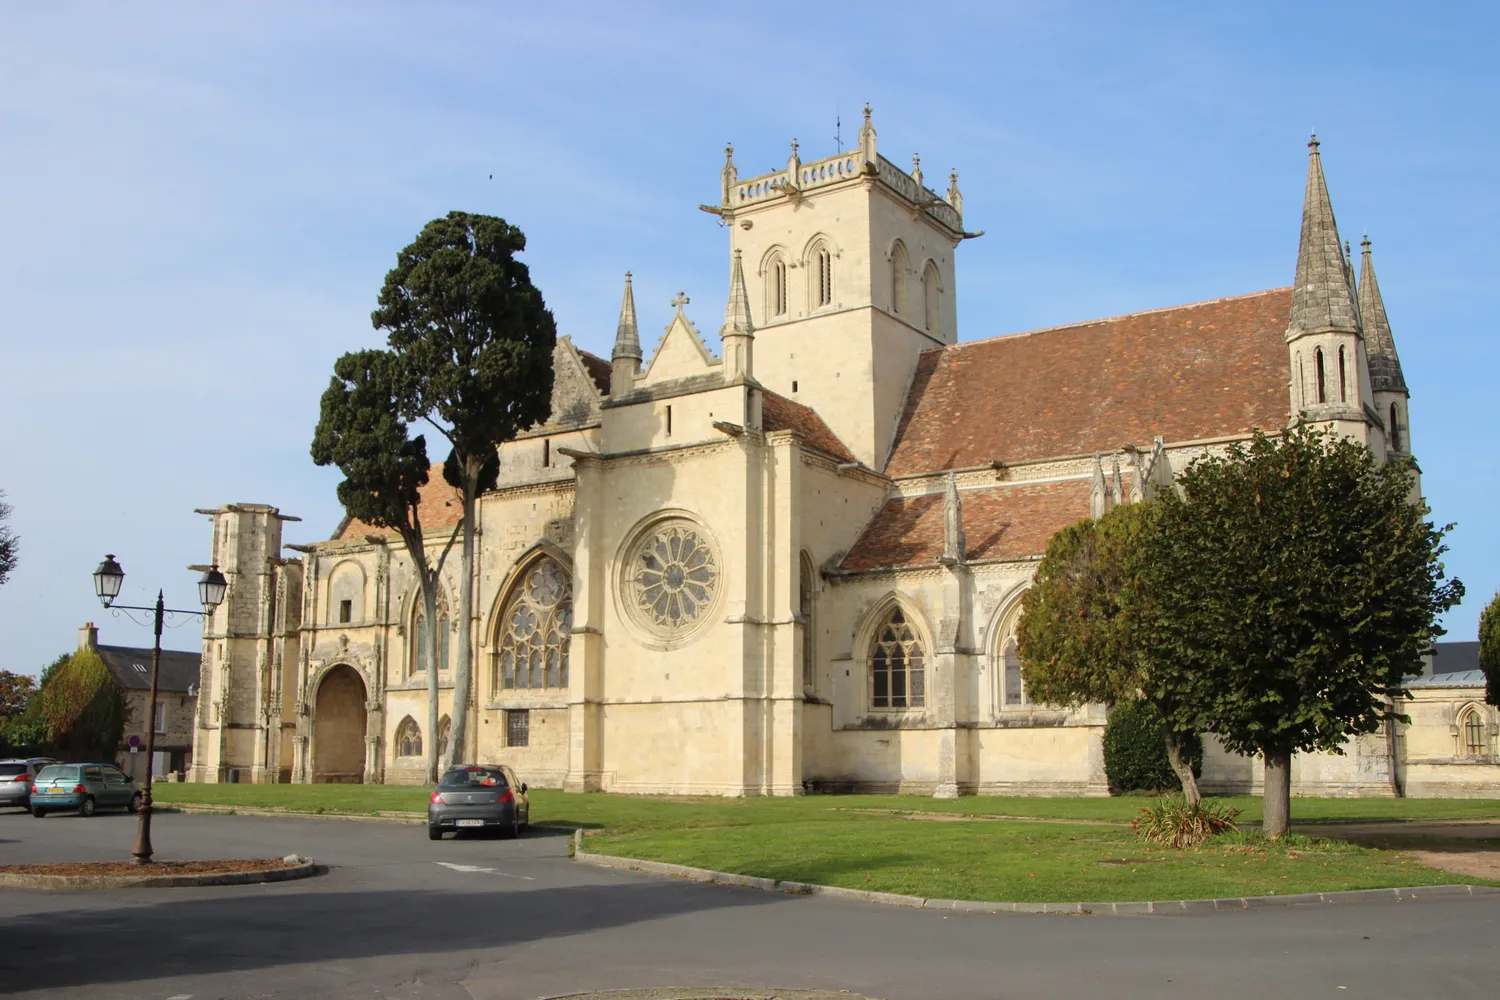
x=532, y=651
x=1471, y=733
x=1012, y=690
x=932, y=298
x=820, y=273
x=418, y=659
x=445, y=729
x=1343, y=378
x=897, y=664
x=805, y=609
x=1321, y=376
x=900, y=266
x=775, y=275
x=408, y=738
x=1395, y=428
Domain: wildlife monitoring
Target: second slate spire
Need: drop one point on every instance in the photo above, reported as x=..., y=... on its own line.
x=1322, y=299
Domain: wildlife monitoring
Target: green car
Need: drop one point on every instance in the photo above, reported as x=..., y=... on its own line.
x=83, y=788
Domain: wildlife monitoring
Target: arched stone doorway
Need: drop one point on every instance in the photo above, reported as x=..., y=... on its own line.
x=339, y=728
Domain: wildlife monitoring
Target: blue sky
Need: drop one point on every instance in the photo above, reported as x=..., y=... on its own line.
x=198, y=203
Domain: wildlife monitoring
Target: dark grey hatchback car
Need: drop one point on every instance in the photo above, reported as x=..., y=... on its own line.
x=479, y=797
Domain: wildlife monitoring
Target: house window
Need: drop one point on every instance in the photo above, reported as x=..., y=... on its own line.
x=161, y=718
x=932, y=298
x=1471, y=731
x=346, y=612
x=535, y=630
x=1320, y=375
x=805, y=608
x=900, y=265
x=518, y=727
x=896, y=665
x=408, y=738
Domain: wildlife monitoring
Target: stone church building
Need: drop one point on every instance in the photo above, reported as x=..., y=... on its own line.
x=792, y=558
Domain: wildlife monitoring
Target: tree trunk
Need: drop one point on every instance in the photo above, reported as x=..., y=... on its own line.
x=1276, y=798
x=463, y=670
x=1183, y=769
x=429, y=656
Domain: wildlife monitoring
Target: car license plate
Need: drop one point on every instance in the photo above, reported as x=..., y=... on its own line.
x=471, y=822
x=57, y=791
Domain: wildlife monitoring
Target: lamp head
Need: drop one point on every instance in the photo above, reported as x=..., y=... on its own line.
x=107, y=580
x=211, y=587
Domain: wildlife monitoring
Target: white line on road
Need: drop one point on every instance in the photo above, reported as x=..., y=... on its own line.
x=476, y=868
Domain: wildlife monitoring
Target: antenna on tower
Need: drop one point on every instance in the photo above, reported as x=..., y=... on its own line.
x=838, y=131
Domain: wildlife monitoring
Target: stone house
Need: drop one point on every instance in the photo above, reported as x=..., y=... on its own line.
x=176, y=703
x=794, y=562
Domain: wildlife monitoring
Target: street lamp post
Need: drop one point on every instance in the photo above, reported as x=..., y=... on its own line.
x=211, y=587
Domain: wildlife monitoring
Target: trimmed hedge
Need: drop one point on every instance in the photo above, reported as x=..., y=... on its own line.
x=1135, y=752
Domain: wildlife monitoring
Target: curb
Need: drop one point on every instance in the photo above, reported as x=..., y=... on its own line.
x=305, y=870
x=1145, y=907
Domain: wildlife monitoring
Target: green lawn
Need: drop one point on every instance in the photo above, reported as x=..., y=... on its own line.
x=868, y=841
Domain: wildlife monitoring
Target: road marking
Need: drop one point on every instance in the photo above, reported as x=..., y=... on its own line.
x=181, y=996
x=476, y=868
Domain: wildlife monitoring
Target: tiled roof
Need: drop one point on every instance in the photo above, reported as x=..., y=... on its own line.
x=131, y=668
x=598, y=370
x=777, y=413
x=1004, y=522
x=1211, y=369
x=441, y=507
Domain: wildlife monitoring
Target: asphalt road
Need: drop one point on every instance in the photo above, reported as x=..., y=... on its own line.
x=393, y=920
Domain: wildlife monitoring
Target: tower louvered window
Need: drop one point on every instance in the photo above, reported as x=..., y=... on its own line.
x=823, y=277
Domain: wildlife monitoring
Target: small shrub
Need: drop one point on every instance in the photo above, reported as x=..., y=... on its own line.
x=1171, y=822
x=1135, y=751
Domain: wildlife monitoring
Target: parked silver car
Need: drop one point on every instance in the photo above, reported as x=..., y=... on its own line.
x=16, y=776
x=479, y=797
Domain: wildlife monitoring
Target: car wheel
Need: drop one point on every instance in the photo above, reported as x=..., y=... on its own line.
x=38, y=812
x=434, y=833
x=87, y=808
x=512, y=831
x=135, y=802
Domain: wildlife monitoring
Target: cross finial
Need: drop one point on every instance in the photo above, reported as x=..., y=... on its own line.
x=680, y=301
x=794, y=147
x=1365, y=243
x=1313, y=142
x=867, y=112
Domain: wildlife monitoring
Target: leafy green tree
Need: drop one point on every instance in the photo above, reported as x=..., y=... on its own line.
x=1135, y=755
x=51, y=669
x=15, y=691
x=1489, y=649
x=361, y=430
x=1083, y=628
x=475, y=341
x=1296, y=584
x=10, y=542
x=83, y=709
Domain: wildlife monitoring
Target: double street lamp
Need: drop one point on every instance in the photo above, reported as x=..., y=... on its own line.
x=211, y=588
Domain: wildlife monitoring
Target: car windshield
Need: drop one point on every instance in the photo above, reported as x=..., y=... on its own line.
x=473, y=777
x=58, y=772
x=11, y=770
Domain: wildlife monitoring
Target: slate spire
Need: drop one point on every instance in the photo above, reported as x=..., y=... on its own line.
x=1385, y=366
x=627, y=335
x=1322, y=299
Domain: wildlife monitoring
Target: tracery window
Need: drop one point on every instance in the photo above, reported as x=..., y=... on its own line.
x=408, y=738
x=1471, y=733
x=900, y=265
x=535, y=626
x=932, y=298
x=672, y=576
x=897, y=665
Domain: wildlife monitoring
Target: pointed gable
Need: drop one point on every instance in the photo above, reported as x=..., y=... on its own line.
x=681, y=353
x=575, y=390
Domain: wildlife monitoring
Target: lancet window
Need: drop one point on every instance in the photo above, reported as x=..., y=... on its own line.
x=900, y=265
x=418, y=658
x=1471, y=732
x=932, y=298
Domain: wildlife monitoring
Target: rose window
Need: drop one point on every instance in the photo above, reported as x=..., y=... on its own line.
x=672, y=578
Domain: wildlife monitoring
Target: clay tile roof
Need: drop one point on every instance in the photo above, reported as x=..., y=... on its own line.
x=441, y=507
x=598, y=370
x=777, y=413
x=1005, y=522
x=1211, y=369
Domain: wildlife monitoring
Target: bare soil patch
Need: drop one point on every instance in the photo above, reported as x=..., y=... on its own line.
x=118, y=868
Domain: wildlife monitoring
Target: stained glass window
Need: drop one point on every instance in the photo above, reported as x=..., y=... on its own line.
x=673, y=577
x=535, y=627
